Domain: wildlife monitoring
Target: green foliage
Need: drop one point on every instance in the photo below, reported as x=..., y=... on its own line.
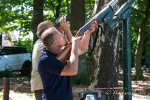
x=6, y=73
x=15, y=15
x=18, y=14
x=27, y=43
x=1, y=95
x=137, y=16
x=89, y=6
x=56, y=8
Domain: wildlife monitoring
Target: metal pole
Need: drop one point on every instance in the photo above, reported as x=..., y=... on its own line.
x=6, y=87
x=127, y=58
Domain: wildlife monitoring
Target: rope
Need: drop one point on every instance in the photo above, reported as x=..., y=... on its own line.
x=99, y=30
x=115, y=88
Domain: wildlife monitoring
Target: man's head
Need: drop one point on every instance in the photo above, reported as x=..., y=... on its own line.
x=42, y=27
x=52, y=37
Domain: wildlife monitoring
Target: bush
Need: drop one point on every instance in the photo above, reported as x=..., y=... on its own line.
x=6, y=73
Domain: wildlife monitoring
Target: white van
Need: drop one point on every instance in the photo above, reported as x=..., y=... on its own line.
x=15, y=58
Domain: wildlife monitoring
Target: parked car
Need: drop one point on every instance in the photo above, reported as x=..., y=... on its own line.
x=15, y=58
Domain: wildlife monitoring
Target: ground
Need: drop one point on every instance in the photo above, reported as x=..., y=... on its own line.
x=20, y=88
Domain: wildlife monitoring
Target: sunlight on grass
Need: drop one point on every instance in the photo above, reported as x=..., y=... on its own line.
x=1, y=95
x=18, y=96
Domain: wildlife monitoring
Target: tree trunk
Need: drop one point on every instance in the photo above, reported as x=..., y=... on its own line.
x=76, y=22
x=138, y=54
x=37, y=16
x=77, y=14
x=105, y=59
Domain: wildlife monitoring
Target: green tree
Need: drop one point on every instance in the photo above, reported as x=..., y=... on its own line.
x=77, y=13
x=24, y=16
x=49, y=10
x=140, y=17
x=37, y=16
x=77, y=20
x=104, y=62
x=15, y=15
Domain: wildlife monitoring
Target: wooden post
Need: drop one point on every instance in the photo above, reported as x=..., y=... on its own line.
x=6, y=87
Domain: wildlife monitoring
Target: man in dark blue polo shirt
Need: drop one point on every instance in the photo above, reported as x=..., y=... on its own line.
x=55, y=74
x=56, y=87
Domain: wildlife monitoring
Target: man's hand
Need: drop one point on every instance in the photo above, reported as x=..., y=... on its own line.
x=64, y=27
x=76, y=41
x=92, y=27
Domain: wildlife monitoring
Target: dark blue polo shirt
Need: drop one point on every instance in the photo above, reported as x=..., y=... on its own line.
x=55, y=87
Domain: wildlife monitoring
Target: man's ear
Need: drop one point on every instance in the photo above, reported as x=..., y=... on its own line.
x=54, y=42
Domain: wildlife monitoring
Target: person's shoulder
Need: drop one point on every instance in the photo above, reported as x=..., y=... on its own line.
x=39, y=41
x=38, y=44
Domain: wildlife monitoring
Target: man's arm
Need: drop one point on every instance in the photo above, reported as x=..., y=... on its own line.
x=86, y=37
x=72, y=65
x=64, y=28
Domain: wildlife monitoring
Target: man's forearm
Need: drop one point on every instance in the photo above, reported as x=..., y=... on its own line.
x=68, y=34
x=73, y=61
x=84, y=43
x=72, y=65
